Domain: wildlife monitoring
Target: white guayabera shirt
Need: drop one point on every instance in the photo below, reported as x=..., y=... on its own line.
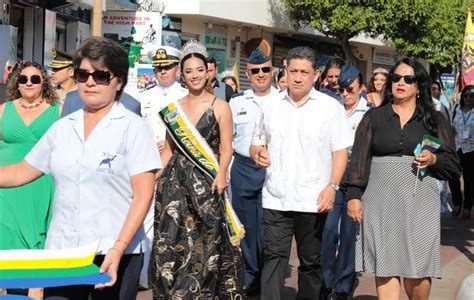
x=301, y=140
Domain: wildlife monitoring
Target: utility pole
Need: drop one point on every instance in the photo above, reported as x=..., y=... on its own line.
x=97, y=19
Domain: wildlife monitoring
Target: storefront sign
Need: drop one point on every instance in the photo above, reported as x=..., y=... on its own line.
x=381, y=57
x=215, y=36
x=172, y=24
x=138, y=33
x=215, y=39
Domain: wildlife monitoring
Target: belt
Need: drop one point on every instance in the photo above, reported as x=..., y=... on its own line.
x=244, y=160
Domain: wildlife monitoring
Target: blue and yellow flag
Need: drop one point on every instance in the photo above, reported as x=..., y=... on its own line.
x=50, y=268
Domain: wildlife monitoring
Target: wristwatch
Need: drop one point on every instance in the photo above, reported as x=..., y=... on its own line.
x=334, y=186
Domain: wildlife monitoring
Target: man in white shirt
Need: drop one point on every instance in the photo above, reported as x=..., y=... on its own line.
x=246, y=178
x=301, y=138
x=165, y=66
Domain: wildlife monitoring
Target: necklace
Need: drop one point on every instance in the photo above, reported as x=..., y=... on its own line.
x=32, y=106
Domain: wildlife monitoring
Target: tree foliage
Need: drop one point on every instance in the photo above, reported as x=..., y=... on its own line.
x=342, y=20
x=429, y=29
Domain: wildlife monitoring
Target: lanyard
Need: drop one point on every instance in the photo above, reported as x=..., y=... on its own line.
x=466, y=119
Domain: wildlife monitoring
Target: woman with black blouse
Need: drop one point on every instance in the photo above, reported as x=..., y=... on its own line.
x=397, y=208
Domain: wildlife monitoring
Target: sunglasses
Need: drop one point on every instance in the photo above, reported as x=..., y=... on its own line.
x=468, y=96
x=255, y=71
x=349, y=89
x=34, y=79
x=166, y=68
x=100, y=77
x=409, y=79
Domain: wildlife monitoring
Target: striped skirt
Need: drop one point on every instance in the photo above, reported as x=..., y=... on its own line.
x=400, y=230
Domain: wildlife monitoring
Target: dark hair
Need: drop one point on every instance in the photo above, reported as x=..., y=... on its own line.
x=47, y=91
x=424, y=102
x=197, y=55
x=360, y=79
x=302, y=52
x=233, y=80
x=371, y=85
x=211, y=60
x=335, y=62
x=438, y=84
x=205, y=62
x=104, y=52
x=466, y=89
x=280, y=75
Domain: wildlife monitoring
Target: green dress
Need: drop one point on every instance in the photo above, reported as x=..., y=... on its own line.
x=25, y=211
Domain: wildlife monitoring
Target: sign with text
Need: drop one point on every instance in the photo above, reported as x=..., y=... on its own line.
x=138, y=33
x=381, y=57
x=215, y=36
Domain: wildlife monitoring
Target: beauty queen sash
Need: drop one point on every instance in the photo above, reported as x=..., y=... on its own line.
x=188, y=139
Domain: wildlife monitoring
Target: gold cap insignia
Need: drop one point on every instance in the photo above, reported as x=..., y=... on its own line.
x=161, y=54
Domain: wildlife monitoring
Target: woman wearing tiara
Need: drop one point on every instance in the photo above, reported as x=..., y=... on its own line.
x=229, y=78
x=376, y=87
x=192, y=254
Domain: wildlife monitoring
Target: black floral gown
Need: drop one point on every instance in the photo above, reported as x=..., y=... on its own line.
x=192, y=255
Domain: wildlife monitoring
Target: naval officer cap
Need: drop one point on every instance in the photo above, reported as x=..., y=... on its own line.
x=60, y=60
x=348, y=74
x=166, y=56
x=257, y=57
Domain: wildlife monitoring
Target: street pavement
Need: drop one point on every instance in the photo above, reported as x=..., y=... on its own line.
x=457, y=258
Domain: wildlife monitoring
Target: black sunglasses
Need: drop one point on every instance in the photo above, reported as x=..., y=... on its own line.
x=34, y=79
x=255, y=71
x=409, y=79
x=468, y=95
x=349, y=89
x=100, y=77
x=166, y=68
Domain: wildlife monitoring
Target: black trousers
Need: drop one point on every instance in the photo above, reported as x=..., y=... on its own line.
x=467, y=164
x=279, y=228
x=125, y=288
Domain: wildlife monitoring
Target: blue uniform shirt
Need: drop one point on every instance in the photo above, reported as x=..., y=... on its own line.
x=244, y=108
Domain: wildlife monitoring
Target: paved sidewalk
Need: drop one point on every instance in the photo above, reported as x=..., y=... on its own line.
x=457, y=258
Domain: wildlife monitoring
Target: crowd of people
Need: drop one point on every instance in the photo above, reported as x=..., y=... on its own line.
x=307, y=152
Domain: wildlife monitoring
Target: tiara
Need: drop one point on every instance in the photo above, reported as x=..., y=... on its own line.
x=380, y=70
x=193, y=46
x=227, y=73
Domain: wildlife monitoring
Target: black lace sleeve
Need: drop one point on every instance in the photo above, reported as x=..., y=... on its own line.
x=361, y=157
x=447, y=165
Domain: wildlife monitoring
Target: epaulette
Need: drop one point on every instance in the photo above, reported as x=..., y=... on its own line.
x=237, y=95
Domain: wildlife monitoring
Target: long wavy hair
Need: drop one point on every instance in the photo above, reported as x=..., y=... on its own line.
x=371, y=84
x=424, y=102
x=47, y=92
